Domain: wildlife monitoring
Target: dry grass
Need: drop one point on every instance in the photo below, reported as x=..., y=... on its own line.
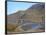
x=11, y=27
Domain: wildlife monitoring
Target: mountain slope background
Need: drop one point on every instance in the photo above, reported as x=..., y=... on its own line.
x=34, y=14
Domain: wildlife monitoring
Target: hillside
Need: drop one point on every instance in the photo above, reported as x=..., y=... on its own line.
x=34, y=14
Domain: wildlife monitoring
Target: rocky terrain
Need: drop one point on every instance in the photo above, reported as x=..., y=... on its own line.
x=30, y=20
